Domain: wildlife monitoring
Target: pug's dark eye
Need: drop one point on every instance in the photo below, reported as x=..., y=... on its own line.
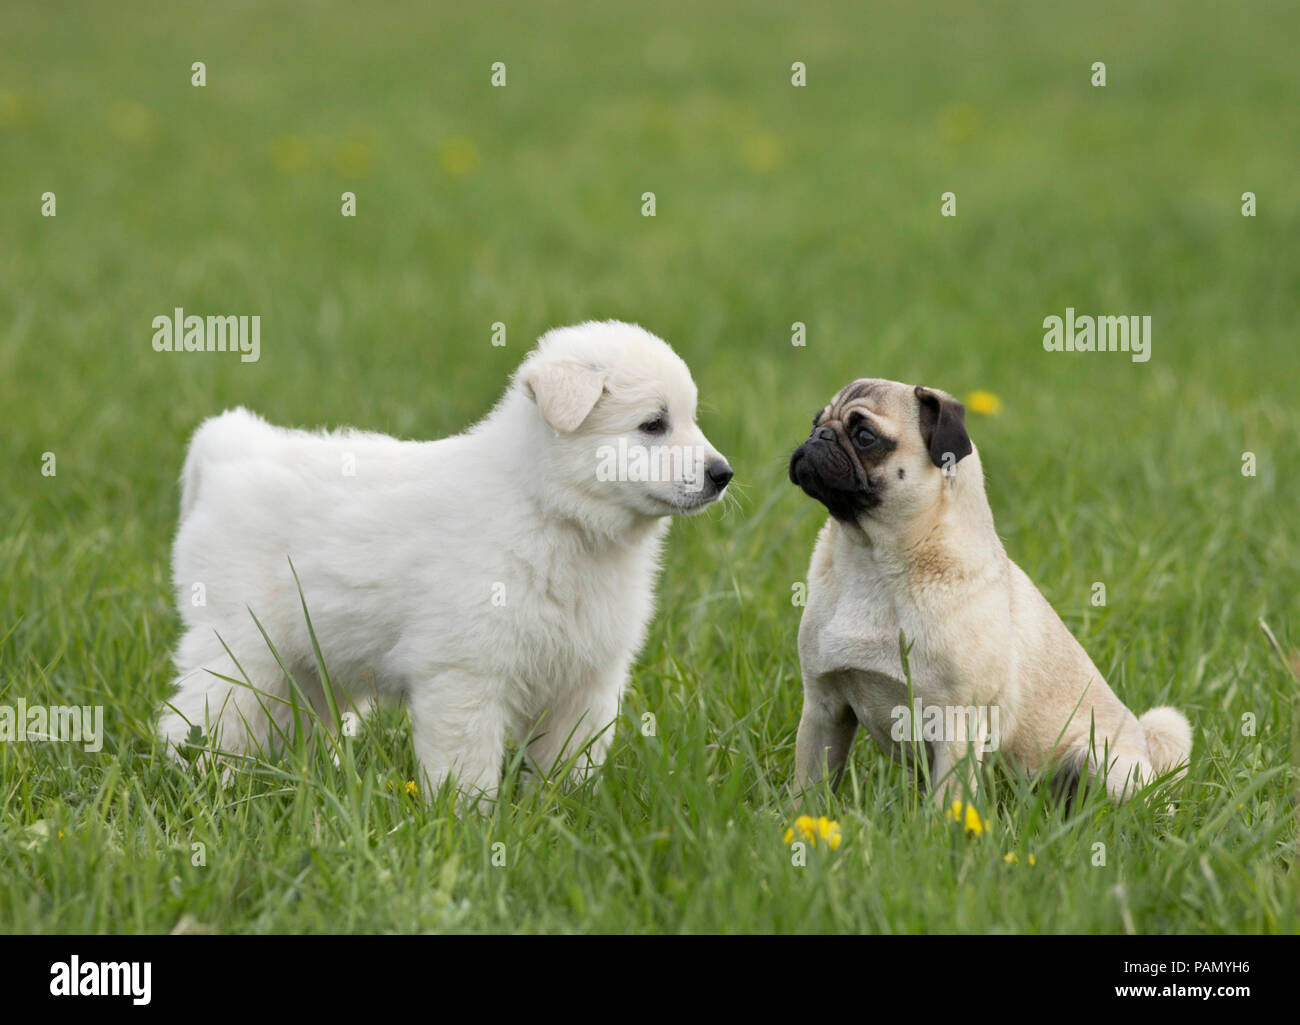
x=656, y=426
x=863, y=438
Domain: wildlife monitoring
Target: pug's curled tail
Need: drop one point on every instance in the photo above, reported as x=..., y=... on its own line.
x=1169, y=738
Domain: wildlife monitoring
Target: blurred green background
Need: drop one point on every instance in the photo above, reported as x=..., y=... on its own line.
x=775, y=204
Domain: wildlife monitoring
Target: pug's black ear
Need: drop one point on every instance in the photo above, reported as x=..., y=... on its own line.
x=943, y=427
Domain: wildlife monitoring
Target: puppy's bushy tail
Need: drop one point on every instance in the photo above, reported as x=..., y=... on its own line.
x=1169, y=738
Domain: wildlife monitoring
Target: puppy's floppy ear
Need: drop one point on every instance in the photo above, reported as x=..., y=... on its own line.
x=943, y=425
x=565, y=391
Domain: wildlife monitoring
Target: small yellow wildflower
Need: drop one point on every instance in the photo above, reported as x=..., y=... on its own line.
x=11, y=108
x=967, y=816
x=290, y=154
x=1012, y=858
x=959, y=122
x=830, y=832
x=984, y=402
x=806, y=827
x=131, y=121
x=760, y=152
x=458, y=156
x=411, y=788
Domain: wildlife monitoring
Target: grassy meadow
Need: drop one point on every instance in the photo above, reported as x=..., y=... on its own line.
x=775, y=205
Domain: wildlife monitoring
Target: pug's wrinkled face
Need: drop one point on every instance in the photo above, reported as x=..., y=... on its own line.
x=880, y=451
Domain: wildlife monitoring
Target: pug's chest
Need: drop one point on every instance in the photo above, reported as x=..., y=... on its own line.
x=857, y=648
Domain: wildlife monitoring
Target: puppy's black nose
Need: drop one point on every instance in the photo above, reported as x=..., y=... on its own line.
x=720, y=473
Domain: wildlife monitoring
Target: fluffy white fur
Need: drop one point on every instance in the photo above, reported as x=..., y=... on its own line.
x=489, y=580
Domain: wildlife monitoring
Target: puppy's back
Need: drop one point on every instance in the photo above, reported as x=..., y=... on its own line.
x=239, y=439
x=230, y=435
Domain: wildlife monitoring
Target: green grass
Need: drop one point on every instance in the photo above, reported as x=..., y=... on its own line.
x=775, y=205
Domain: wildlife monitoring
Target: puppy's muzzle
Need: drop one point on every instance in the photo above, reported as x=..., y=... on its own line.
x=719, y=473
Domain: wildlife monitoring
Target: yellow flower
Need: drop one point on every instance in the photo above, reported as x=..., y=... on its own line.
x=984, y=402
x=290, y=154
x=390, y=784
x=411, y=788
x=830, y=832
x=967, y=816
x=806, y=827
x=760, y=152
x=11, y=108
x=458, y=156
x=1012, y=858
x=959, y=122
x=131, y=121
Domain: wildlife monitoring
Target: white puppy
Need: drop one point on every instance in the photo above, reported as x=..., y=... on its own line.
x=499, y=582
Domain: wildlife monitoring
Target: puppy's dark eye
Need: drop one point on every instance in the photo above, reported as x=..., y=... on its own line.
x=863, y=438
x=656, y=426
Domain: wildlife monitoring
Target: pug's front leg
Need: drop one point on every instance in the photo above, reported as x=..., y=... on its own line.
x=826, y=731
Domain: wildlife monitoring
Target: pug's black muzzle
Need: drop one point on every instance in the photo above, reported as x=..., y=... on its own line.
x=827, y=473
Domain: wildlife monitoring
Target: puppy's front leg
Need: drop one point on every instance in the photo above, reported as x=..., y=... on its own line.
x=826, y=731
x=579, y=725
x=458, y=730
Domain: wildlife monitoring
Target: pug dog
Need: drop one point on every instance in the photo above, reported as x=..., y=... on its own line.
x=909, y=560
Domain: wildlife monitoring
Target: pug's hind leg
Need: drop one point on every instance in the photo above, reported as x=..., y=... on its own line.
x=1123, y=767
